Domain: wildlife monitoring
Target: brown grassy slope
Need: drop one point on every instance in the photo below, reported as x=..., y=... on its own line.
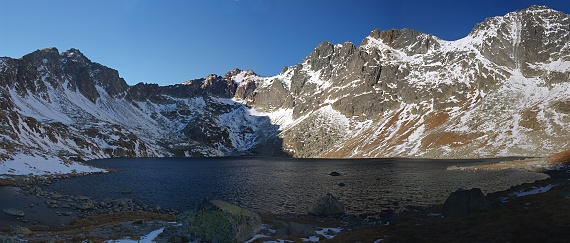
x=561, y=158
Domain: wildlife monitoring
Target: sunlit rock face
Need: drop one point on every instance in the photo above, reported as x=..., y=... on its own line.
x=500, y=91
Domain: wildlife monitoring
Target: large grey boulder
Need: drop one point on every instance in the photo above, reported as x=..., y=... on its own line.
x=19, y=230
x=465, y=202
x=219, y=221
x=327, y=205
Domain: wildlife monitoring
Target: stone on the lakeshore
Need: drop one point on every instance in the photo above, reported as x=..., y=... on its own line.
x=82, y=198
x=465, y=202
x=55, y=196
x=300, y=229
x=86, y=206
x=122, y=201
x=9, y=239
x=219, y=221
x=327, y=205
x=14, y=212
x=19, y=230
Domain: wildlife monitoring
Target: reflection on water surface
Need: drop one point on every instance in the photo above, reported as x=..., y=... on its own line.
x=283, y=185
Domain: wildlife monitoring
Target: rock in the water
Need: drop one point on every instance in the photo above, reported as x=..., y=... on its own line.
x=219, y=221
x=465, y=202
x=14, y=212
x=327, y=205
x=334, y=173
x=127, y=191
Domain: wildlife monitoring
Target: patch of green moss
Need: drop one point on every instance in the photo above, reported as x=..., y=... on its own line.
x=231, y=208
x=211, y=225
x=218, y=221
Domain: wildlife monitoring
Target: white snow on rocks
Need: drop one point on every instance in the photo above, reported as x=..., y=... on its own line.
x=535, y=190
x=23, y=164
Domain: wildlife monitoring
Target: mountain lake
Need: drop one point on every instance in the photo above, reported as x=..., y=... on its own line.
x=286, y=185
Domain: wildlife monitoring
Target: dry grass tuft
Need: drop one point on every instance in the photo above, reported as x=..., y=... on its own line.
x=451, y=139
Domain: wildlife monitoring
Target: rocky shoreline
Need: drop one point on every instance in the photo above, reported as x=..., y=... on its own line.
x=119, y=218
x=84, y=217
x=111, y=219
x=80, y=205
x=551, y=162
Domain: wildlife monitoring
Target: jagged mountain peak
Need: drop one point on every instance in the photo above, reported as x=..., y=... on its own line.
x=49, y=50
x=53, y=53
x=75, y=55
x=238, y=76
x=407, y=40
x=71, y=52
x=540, y=9
x=323, y=51
x=523, y=38
x=532, y=17
x=47, y=69
x=42, y=56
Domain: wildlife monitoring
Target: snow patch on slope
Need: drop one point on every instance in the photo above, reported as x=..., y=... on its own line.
x=24, y=164
x=553, y=66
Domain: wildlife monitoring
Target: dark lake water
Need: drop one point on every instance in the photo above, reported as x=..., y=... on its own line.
x=283, y=185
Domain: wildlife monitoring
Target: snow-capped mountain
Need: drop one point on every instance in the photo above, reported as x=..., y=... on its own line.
x=503, y=90
x=64, y=108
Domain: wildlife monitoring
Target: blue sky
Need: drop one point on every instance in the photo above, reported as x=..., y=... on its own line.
x=171, y=41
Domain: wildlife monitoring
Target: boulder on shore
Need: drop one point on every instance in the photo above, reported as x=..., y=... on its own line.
x=327, y=205
x=19, y=230
x=465, y=202
x=219, y=221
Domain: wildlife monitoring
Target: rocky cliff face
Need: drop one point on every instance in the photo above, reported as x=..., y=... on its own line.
x=500, y=91
x=503, y=90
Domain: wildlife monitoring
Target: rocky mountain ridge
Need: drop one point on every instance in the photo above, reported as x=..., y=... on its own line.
x=501, y=91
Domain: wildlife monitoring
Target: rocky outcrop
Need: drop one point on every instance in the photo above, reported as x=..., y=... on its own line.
x=19, y=230
x=219, y=221
x=327, y=205
x=464, y=202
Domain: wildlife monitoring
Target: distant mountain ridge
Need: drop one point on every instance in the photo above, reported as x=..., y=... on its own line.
x=501, y=91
